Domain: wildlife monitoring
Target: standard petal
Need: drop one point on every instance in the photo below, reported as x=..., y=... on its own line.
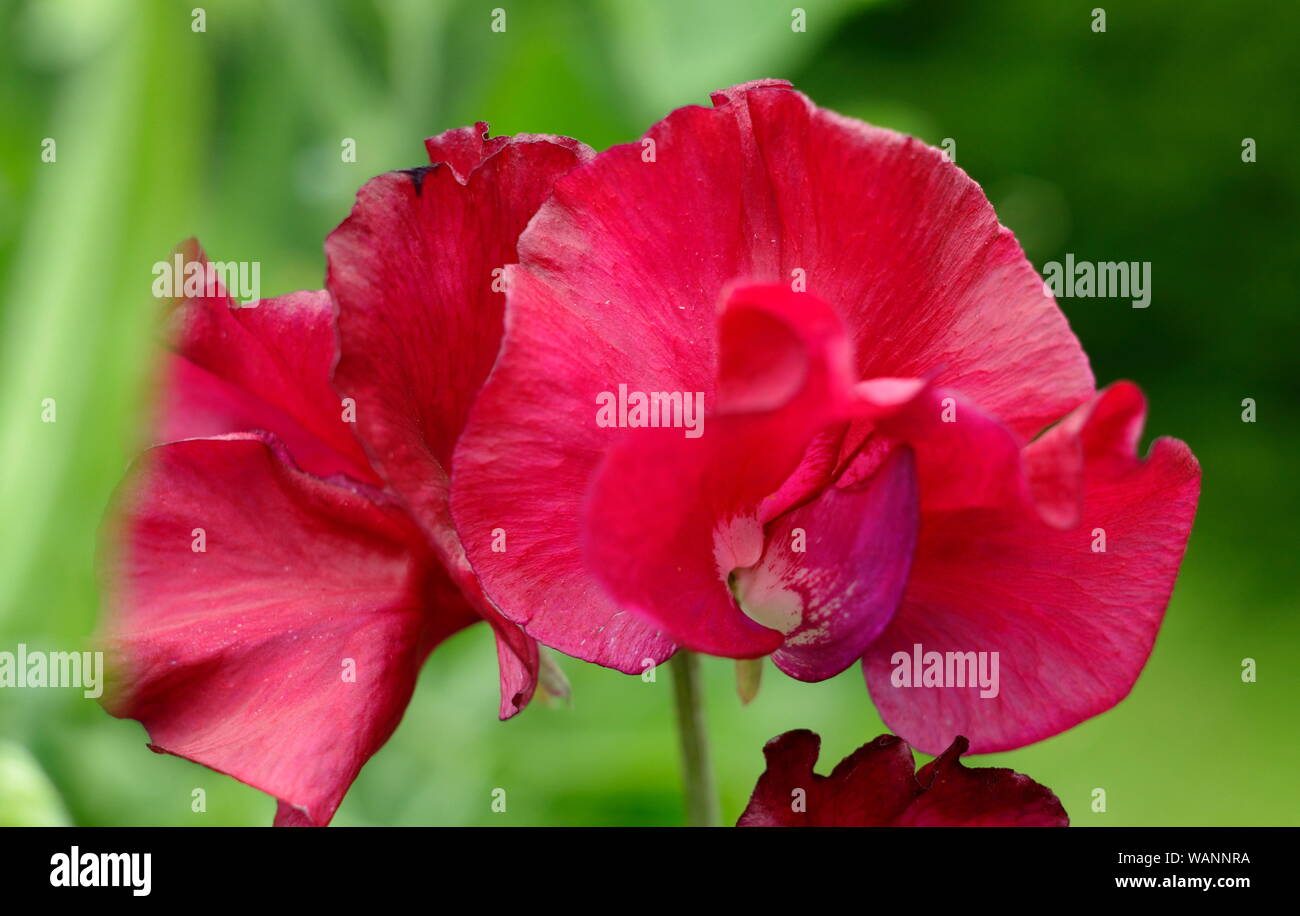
x=898, y=238
x=413, y=270
x=265, y=623
x=261, y=367
x=464, y=149
x=1059, y=620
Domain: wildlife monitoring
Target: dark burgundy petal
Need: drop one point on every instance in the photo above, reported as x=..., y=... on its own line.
x=955, y=796
x=869, y=788
x=876, y=786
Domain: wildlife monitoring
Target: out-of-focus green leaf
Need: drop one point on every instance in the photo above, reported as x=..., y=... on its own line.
x=674, y=52
x=27, y=797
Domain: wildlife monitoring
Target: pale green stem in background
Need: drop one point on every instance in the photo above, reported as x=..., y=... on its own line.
x=702, y=808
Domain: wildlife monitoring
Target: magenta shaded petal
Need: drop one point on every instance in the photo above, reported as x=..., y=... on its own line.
x=836, y=595
x=236, y=657
x=618, y=277
x=876, y=786
x=671, y=516
x=1072, y=627
x=260, y=367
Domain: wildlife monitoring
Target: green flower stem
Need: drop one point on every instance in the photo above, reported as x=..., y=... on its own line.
x=697, y=772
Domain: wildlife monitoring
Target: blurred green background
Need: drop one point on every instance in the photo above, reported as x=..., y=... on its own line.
x=1122, y=145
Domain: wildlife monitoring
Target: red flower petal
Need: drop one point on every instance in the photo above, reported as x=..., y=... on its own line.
x=619, y=272
x=238, y=657
x=875, y=786
x=464, y=149
x=261, y=367
x=1072, y=626
x=893, y=235
x=964, y=457
x=518, y=657
x=419, y=323
x=671, y=516
x=412, y=270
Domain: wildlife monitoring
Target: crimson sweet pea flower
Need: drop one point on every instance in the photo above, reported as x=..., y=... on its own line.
x=877, y=360
x=876, y=786
x=274, y=600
